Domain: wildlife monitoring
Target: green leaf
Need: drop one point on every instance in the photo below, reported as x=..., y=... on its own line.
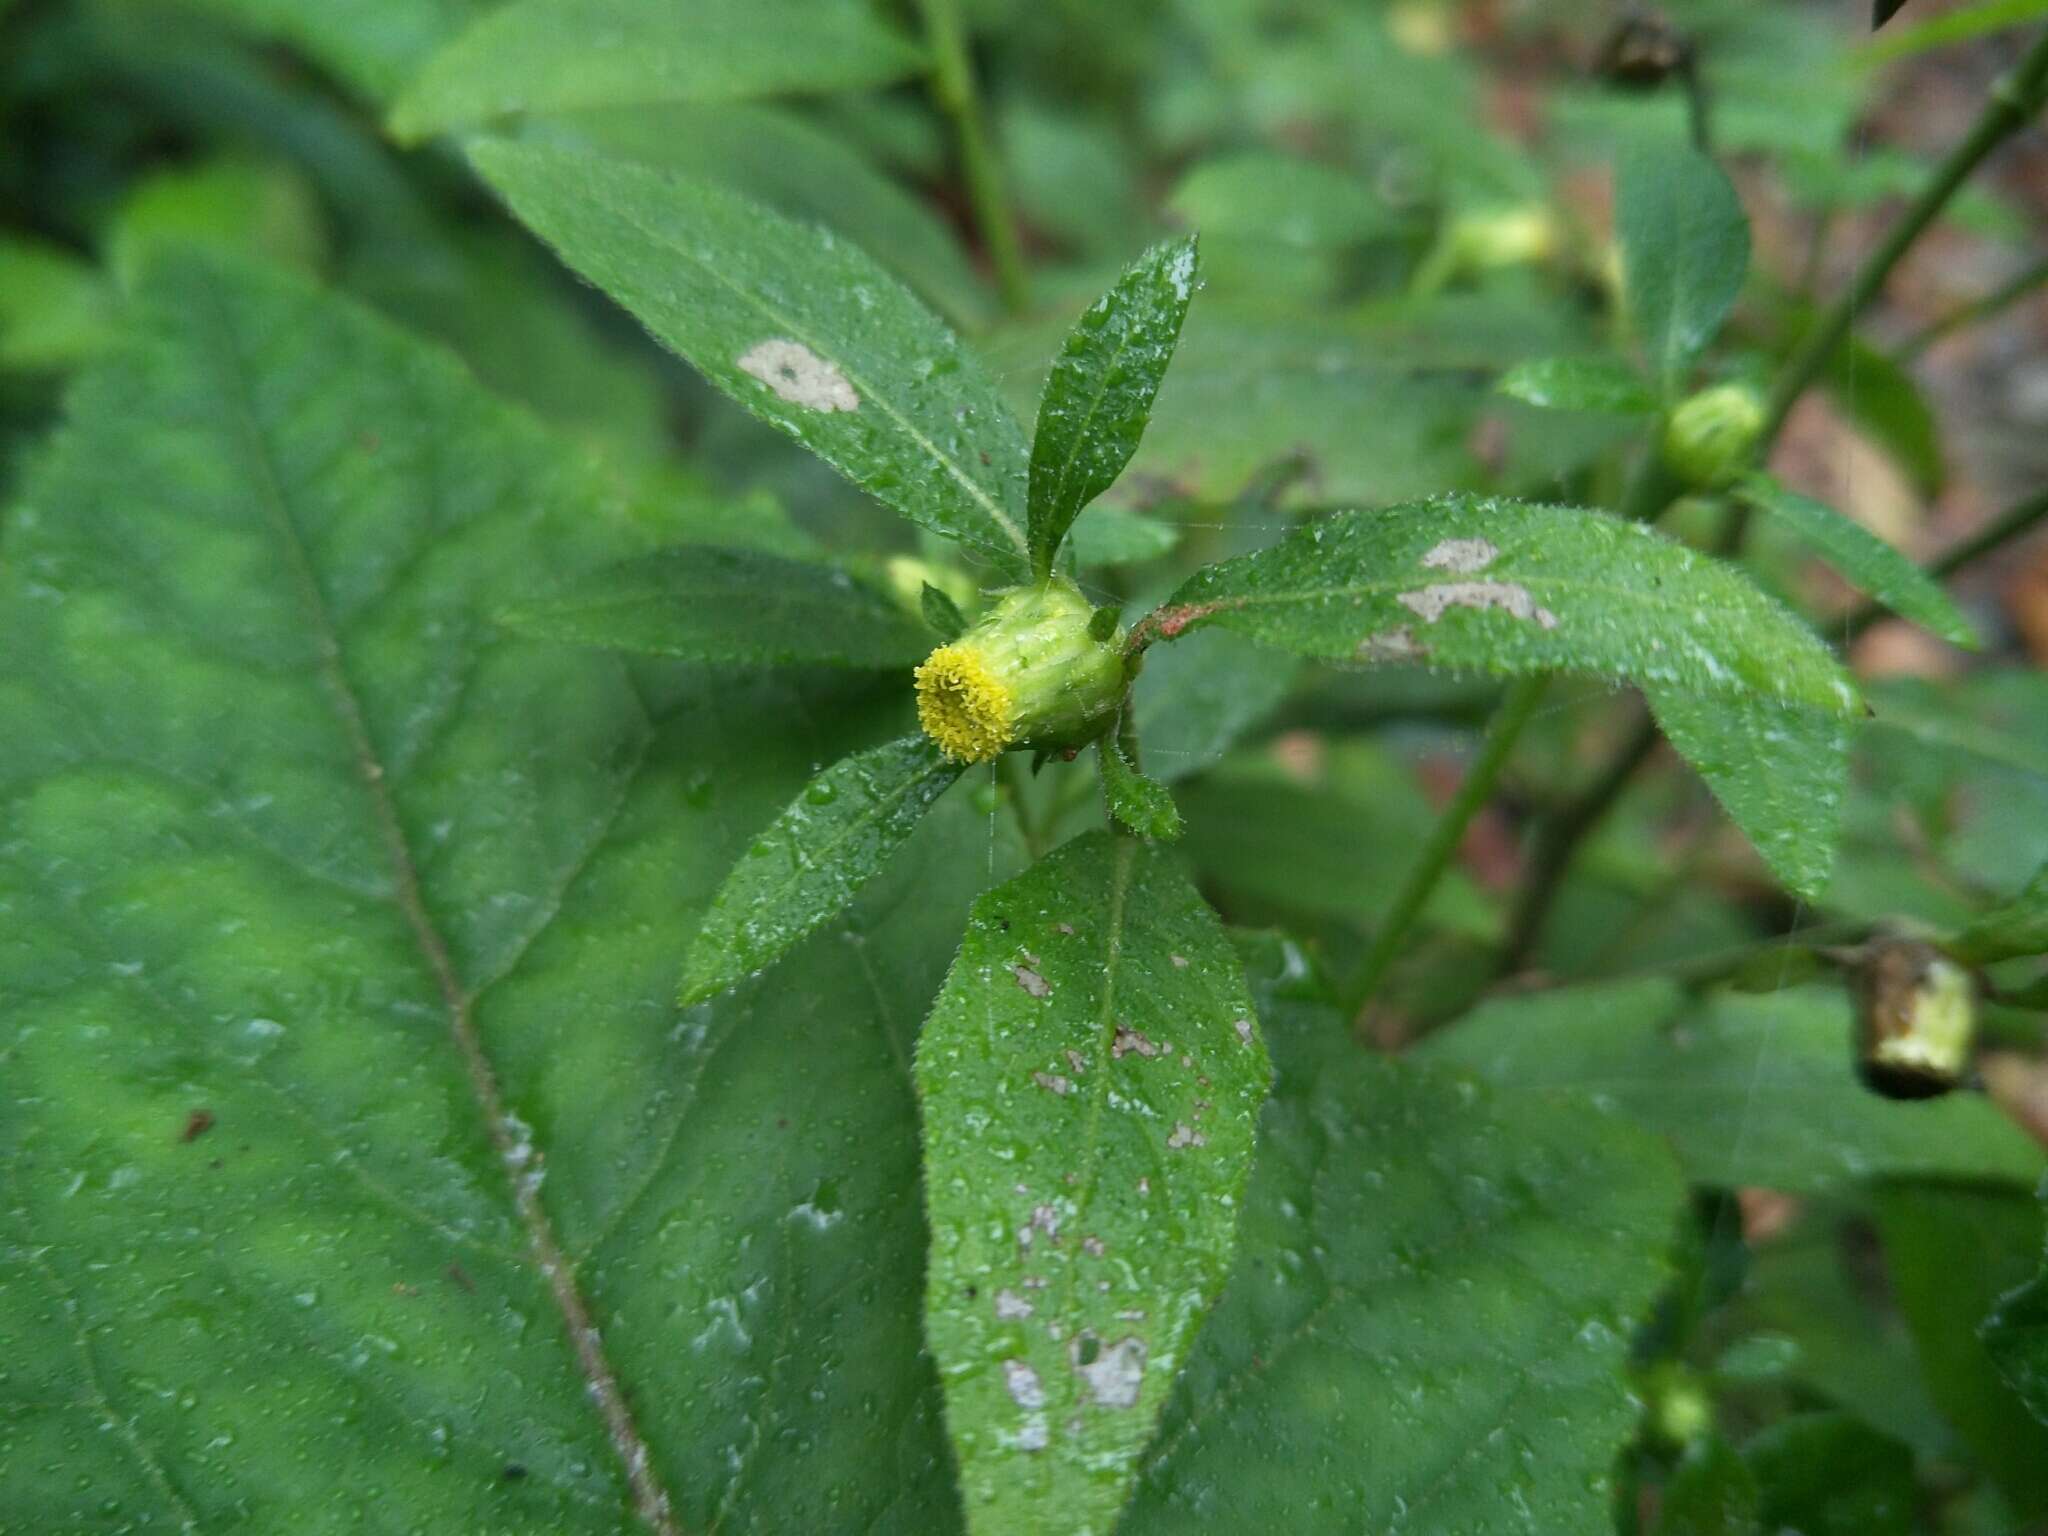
x=1864, y=559
x=1514, y=587
x=799, y=327
x=1604, y=385
x=1144, y=805
x=1956, y=26
x=1779, y=771
x=1099, y=394
x=1951, y=1251
x=941, y=613
x=1090, y=1077
x=2016, y=1336
x=1882, y=399
x=534, y=56
x=356, y=1156
x=1105, y=535
x=813, y=859
x=1281, y=199
x=2020, y=927
x=261, y=208
x=56, y=310
x=1684, y=252
x=738, y=607
x=1195, y=699
x=374, y=46
x=1710, y=1493
x=1435, y=1295
x=1827, y=1474
x=1750, y=1090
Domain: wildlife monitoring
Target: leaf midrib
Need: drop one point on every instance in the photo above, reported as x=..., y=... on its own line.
x=651, y=1500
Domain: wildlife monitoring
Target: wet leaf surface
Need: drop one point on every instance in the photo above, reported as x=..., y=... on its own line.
x=1090, y=1078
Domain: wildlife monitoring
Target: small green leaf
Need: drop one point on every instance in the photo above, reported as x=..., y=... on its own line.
x=1436, y=1295
x=1604, y=385
x=1515, y=588
x=736, y=606
x=1828, y=1474
x=1684, y=252
x=1105, y=535
x=1862, y=558
x=1883, y=400
x=1710, y=1493
x=1780, y=771
x=1750, y=1090
x=1099, y=394
x=942, y=613
x=373, y=46
x=2016, y=1334
x=2020, y=927
x=1144, y=805
x=1281, y=199
x=56, y=310
x=1090, y=1075
x=799, y=327
x=809, y=864
x=536, y=56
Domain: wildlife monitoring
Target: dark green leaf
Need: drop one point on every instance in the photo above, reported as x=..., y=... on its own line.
x=1144, y=805
x=1827, y=1474
x=1600, y=384
x=1514, y=587
x=2016, y=1336
x=349, y=1119
x=372, y=45
x=1435, y=1295
x=1882, y=11
x=534, y=56
x=812, y=860
x=1779, y=771
x=941, y=613
x=1710, y=1493
x=1099, y=394
x=1750, y=1090
x=733, y=606
x=1090, y=1076
x=1684, y=252
x=1951, y=1251
x=798, y=326
x=2020, y=927
x=1863, y=558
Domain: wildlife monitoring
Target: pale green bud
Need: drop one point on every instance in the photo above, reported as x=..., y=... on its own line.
x=1712, y=436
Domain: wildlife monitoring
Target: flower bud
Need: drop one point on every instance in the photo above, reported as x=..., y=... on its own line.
x=1028, y=674
x=1711, y=436
x=1916, y=1016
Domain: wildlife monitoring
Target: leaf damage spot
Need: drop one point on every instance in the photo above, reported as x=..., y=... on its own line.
x=1012, y=1308
x=1052, y=1082
x=1180, y=962
x=1432, y=602
x=1023, y=1385
x=1244, y=1031
x=799, y=375
x=1185, y=1135
x=1031, y=981
x=1461, y=555
x=1113, y=1375
x=1127, y=1040
x=1396, y=644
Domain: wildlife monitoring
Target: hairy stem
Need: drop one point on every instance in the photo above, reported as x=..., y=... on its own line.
x=954, y=88
x=1516, y=706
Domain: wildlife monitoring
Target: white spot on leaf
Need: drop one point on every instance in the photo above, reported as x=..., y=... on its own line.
x=799, y=375
x=1010, y=1307
x=1022, y=1382
x=1432, y=602
x=1031, y=981
x=1461, y=555
x=1114, y=1375
x=1185, y=1135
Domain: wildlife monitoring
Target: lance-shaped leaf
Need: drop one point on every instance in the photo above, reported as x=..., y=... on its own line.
x=1779, y=770
x=1099, y=394
x=356, y=1157
x=737, y=606
x=1144, y=805
x=1862, y=558
x=1514, y=587
x=1090, y=1077
x=2019, y=927
x=802, y=329
x=813, y=859
x=1604, y=385
x=560, y=55
x=1684, y=252
x=1426, y=1329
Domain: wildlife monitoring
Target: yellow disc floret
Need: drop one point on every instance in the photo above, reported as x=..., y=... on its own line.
x=963, y=706
x=1031, y=673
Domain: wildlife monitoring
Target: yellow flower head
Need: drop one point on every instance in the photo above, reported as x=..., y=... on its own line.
x=963, y=706
x=1029, y=674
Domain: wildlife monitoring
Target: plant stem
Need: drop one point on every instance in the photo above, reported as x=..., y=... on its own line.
x=2012, y=102
x=1558, y=838
x=2007, y=526
x=1513, y=712
x=1977, y=309
x=954, y=88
